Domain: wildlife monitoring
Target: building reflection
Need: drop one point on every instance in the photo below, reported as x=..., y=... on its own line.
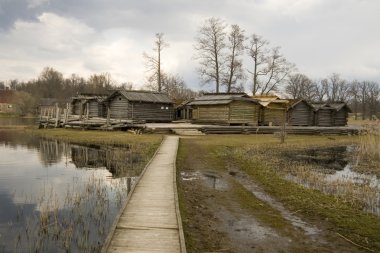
x=120, y=161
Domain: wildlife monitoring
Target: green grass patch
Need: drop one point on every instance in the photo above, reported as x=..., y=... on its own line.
x=257, y=155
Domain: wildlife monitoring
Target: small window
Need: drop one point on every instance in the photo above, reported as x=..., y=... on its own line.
x=167, y=108
x=162, y=108
x=9, y=106
x=119, y=98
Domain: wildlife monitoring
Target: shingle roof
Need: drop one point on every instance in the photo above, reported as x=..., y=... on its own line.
x=339, y=105
x=87, y=97
x=221, y=96
x=221, y=99
x=294, y=102
x=330, y=106
x=144, y=96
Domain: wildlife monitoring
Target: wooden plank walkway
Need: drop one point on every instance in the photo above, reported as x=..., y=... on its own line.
x=151, y=221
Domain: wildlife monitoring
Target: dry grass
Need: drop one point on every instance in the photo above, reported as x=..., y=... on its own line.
x=77, y=223
x=369, y=144
x=261, y=157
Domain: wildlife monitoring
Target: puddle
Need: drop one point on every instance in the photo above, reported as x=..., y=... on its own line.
x=244, y=180
x=346, y=183
x=335, y=158
x=248, y=235
x=210, y=179
x=347, y=175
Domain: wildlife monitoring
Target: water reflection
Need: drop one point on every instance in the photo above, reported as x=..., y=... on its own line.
x=61, y=197
x=331, y=172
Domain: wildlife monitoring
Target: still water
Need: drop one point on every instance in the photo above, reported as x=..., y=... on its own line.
x=61, y=197
x=15, y=121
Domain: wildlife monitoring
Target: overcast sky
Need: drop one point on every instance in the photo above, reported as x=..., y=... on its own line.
x=96, y=36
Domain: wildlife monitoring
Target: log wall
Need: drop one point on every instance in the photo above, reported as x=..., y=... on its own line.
x=96, y=109
x=151, y=112
x=243, y=113
x=340, y=117
x=273, y=115
x=76, y=107
x=324, y=117
x=301, y=115
x=118, y=107
x=211, y=113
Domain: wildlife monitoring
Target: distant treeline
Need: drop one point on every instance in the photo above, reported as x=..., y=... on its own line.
x=51, y=84
x=362, y=96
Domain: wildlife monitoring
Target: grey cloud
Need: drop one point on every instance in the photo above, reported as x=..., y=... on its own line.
x=12, y=10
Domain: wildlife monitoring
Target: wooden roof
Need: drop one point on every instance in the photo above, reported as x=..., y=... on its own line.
x=143, y=96
x=294, y=102
x=337, y=106
x=87, y=97
x=220, y=99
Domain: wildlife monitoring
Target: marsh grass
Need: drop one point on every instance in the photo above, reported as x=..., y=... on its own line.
x=77, y=223
x=339, y=205
x=369, y=144
x=78, y=220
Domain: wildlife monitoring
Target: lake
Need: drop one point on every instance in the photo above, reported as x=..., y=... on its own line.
x=16, y=121
x=61, y=197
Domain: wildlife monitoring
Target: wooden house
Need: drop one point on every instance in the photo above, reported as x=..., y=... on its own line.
x=331, y=114
x=140, y=105
x=323, y=115
x=300, y=113
x=272, y=111
x=6, y=101
x=88, y=105
x=225, y=108
x=184, y=111
x=341, y=111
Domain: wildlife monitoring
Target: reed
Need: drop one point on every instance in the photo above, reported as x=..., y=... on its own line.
x=369, y=143
x=78, y=222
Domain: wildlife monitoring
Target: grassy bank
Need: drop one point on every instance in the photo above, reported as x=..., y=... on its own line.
x=93, y=137
x=261, y=157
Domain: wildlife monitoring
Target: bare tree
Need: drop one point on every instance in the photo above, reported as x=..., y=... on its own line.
x=373, y=99
x=270, y=68
x=300, y=86
x=153, y=62
x=354, y=94
x=321, y=90
x=234, y=66
x=257, y=50
x=363, y=95
x=176, y=88
x=100, y=83
x=337, y=88
x=25, y=102
x=210, y=43
x=50, y=83
x=127, y=86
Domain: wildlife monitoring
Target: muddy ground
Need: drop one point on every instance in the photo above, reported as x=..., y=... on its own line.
x=225, y=210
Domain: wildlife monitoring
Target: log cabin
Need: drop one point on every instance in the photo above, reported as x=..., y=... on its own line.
x=89, y=105
x=225, y=108
x=340, y=113
x=300, y=113
x=140, y=105
x=323, y=115
x=272, y=110
x=330, y=114
x=184, y=111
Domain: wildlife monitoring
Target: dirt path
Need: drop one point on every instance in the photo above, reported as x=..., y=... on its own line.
x=226, y=211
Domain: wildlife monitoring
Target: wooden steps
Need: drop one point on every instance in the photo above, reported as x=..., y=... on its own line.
x=187, y=131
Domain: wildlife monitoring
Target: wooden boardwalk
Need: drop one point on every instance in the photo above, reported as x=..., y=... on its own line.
x=150, y=221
